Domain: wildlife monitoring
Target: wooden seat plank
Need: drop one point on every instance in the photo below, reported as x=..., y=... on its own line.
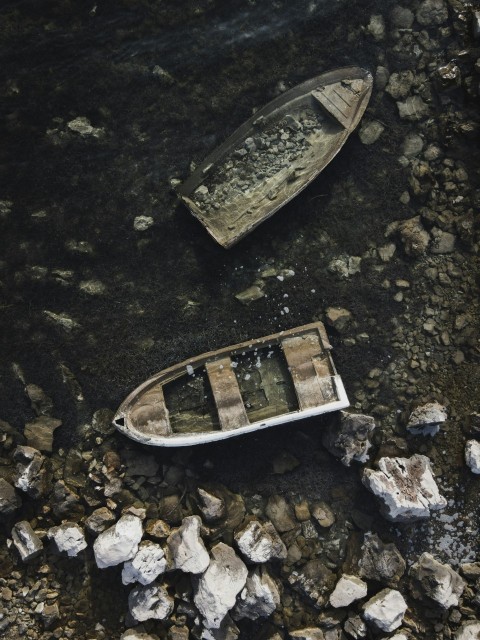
x=226, y=392
x=310, y=370
x=339, y=99
x=150, y=415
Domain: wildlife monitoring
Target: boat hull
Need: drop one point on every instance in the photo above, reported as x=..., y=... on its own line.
x=237, y=390
x=276, y=153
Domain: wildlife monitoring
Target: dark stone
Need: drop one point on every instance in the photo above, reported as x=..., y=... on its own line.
x=66, y=503
x=9, y=501
x=347, y=437
x=380, y=561
x=32, y=472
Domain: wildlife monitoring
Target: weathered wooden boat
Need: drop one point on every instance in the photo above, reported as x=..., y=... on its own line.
x=236, y=390
x=276, y=153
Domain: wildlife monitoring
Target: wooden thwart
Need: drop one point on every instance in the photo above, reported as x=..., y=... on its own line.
x=306, y=360
x=151, y=414
x=226, y=392
x=338, y=100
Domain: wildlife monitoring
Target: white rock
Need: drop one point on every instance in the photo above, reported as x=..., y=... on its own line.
x=228, y=630
x=309, y=633
x=376, y=27
x=134, y=634
x=142, y=223
x=149, y=602
x=260, y=596
x=31, y=471
x=405, y=487
x=412, y=145
x=437, y=581
x=347, y=590
x=146, y=566
x=82, y=126
x=427, y=418
x=212, y=507
x=218, y=587
x=186, y=547
x=118, y=543
x=68, y=537
x=412, y=108
x=432, y=12
x=370, y=131
x=472, y=455
x=345, y=266
x=26, y=541
x=385, y=610
x=260, y=542
x=468, y=631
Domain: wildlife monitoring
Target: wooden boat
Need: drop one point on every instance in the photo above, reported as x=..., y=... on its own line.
x=236, y=390
x=276, y=153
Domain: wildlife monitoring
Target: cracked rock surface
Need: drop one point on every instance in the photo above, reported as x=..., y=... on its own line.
x=405, y=488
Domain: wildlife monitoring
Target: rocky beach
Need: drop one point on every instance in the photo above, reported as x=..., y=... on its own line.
x=361, y=524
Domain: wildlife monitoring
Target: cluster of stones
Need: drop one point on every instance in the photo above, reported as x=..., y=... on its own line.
x=262, y=156
x=443, y=329
x=206, y=566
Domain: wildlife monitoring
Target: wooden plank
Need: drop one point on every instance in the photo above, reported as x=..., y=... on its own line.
x=310, y=370
x=150, y=415
x=340, y=100
x=228, y=399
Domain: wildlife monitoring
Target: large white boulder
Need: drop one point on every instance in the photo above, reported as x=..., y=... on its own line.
x=436, y=581
x=405, y=488
x=149, y=602
x=385, y=610
x=217, y=588
x=260, y=542
x=68, y=537
x=118, y=543
x=186, y=547
x=347, y=590
x=426, y=419
x=468, y=631
x=148, y=563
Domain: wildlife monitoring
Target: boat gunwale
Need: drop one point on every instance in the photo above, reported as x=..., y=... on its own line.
x=205, y=437
x=186, y=189
x=168, y=375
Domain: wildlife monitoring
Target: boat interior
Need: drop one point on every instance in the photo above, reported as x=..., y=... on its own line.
x=333, y=107
x=238, y=389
